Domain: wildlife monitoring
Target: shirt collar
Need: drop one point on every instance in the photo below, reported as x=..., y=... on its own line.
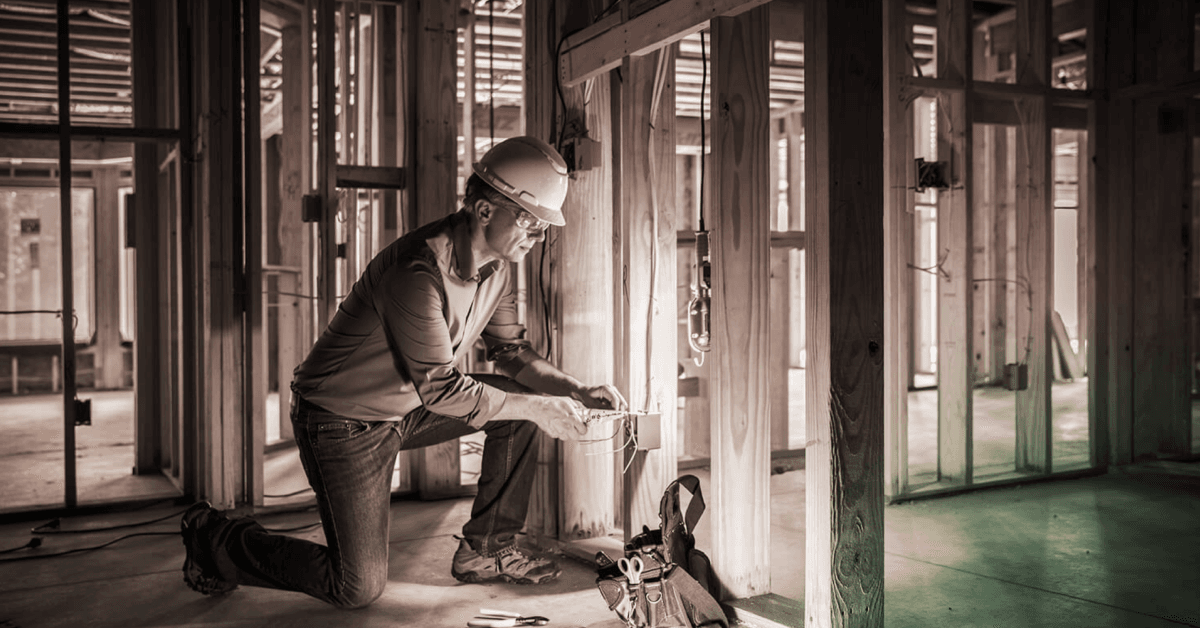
x=463, y=256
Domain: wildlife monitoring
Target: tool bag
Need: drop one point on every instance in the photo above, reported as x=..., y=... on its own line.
x=677, y=587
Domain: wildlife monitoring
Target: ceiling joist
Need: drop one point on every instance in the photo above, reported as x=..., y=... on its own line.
x=601, y=46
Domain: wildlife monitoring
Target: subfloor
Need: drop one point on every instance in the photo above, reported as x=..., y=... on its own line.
x=1116, y=550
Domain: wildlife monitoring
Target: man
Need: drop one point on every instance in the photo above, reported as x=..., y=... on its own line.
x=381, y=379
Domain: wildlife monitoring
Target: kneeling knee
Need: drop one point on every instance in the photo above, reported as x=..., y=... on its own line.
x=358, y=597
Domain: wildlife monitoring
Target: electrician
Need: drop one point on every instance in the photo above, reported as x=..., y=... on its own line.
x=381, y=379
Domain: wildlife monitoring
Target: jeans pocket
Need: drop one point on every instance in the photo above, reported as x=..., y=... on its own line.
x=340, y=430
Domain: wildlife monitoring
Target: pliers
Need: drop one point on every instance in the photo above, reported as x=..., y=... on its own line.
x=504, y=619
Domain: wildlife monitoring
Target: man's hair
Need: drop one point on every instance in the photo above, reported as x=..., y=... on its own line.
x=478, y=189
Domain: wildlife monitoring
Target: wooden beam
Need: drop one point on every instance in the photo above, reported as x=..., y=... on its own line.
x=435, y=165
x=647, y=362
x=109, y=355
x=219, y=230
x=740, y=273
x=955, y=275
x=780, y=322
x=540, y=121
x=294, y=237
x=845, y=457
x=148, y=351
x=794, y=128
x=1034, y=238
x=584, y=289
x=254, y=304
x=1034, y=250
x=897, y=274
x=601, y=47
x=375, y=177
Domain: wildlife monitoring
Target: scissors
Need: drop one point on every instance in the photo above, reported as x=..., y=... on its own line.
x=632, y=568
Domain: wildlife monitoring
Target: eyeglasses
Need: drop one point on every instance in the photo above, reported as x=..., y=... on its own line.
x=526, y=220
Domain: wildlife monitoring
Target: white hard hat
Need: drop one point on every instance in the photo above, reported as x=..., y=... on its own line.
x=531, y=173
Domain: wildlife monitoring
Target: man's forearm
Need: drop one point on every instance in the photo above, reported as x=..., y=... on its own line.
x=542, y=376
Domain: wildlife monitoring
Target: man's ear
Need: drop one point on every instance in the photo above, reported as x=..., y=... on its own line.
x=484, y=210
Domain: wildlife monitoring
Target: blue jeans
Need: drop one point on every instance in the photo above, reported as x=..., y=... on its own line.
x=349, y=464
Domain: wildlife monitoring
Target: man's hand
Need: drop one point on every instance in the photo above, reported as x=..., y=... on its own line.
x=560, y=417
x=603, y=397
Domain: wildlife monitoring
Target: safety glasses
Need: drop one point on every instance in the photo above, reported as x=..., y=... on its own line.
x=526, y=220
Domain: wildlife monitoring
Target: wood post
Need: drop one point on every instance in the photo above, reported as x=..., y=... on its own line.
x=897, y=274
x=253, y=306
x=435, y=164
x=109, y=365
x=147, y=350
x=645, y=233
x=954, y=273
x=740, y=215
x=295, y=237
x=1099, y=265
x=845, y=107
x=1034, y=245
x=541, y=43
x=220, y=173
x=584, y=287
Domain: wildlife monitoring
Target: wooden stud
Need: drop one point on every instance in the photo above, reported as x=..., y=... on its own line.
x=897, y=274
x=541, y=121
x=109, y=364
x=1034, y=240
x=583, y=256
x=955, y=276
x=740, y=274
x=844, y=458
x=647, y=360
x=254, y=300
x=326, y=158
x=780, y=324
x=148, y=369
x=1034, y=253
x=294, y=312
x=1100, y=351
x=794, y=130
x=435, y=165
x=221, y=418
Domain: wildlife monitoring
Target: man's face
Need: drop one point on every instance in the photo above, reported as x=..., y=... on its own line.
x=512, y=232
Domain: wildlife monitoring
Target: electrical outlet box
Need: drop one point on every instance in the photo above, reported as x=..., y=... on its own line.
x=1016, y=376
x=648, y=430
x=582, y=153
x=310, y=208
x=83, y=412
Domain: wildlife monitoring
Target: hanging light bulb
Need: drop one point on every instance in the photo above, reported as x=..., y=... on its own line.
x=699, y=308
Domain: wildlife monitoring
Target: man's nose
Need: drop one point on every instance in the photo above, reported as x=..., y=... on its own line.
x=538, y=235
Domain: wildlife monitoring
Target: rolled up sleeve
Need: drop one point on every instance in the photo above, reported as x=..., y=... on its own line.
x=505, y=337
x=410, y=307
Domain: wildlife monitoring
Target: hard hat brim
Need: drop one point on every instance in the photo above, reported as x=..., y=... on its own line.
x=548, y=214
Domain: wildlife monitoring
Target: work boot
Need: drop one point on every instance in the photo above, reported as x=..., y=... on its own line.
x=198, y=526
x=510, y=564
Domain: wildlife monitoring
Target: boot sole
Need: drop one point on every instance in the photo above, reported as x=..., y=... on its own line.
x=473, y=577
x=193, y=573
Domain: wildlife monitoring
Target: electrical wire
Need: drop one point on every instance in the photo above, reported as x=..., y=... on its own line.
x=51, y=527
x=703, y=138
x=80, y=550
x=292, y=494
x=34, y=542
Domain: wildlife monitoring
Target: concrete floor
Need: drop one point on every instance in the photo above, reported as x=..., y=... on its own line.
x=1117, y=550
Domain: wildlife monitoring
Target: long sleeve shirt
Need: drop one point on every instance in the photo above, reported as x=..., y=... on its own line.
x=418, y=308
